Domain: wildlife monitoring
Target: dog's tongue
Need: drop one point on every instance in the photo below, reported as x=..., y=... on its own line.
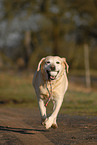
x=52, y=77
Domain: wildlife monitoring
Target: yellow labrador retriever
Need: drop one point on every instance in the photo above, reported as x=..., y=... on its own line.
x=50, y=83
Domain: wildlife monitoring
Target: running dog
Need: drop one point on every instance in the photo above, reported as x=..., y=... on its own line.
x=50, y=83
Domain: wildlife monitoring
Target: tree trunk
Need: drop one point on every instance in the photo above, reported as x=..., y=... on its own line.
x=87, y=68
x=56, y=37
x=27, y=46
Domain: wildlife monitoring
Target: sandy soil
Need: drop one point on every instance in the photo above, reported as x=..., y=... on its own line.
x=21, y=126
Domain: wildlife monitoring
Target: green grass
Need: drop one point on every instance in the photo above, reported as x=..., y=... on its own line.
x=79, y=102
x=17, y=90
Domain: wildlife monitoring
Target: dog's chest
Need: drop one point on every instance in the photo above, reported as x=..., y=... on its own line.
x=46, y=89
x=49, y=89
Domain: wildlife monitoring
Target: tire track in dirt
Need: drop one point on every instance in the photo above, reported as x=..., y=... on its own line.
x=21, y=126
x=14, y=131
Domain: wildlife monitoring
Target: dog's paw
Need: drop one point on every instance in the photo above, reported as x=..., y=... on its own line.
x=43, y=119
x=54, y=126
x=48, y=122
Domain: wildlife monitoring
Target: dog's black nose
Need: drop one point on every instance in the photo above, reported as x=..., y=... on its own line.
x=52, y=67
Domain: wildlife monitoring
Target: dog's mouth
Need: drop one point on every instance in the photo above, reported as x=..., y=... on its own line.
x=52, y=74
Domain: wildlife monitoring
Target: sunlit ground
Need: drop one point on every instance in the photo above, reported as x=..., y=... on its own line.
x=16, y=90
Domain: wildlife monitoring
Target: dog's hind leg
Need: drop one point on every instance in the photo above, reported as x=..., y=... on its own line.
x=54, y=125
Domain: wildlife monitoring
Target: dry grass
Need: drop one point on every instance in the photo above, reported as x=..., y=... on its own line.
x=16, y=89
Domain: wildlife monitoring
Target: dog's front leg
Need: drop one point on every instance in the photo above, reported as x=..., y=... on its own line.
x=42, y=109
x=51, y=121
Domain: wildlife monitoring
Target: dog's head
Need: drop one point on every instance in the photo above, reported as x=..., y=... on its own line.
x=53, y=66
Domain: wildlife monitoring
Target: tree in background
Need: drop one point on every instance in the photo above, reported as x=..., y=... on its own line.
x=84, y=15
x=52, y=27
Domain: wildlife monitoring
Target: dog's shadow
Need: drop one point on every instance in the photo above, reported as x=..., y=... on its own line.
x=21, y=130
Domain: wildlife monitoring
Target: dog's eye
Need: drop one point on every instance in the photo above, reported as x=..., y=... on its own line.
x=48, y=62
x=57, y=62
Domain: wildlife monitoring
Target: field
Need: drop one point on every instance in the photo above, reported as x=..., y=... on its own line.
x=16, y=90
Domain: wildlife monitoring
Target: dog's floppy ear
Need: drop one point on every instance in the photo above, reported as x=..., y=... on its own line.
x=67, y=66
x=39, y=64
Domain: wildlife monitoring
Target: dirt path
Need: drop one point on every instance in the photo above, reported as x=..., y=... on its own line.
x=14, y=130
x=22, y=127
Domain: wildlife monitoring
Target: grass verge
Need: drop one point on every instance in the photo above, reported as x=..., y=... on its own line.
x=17, y=90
